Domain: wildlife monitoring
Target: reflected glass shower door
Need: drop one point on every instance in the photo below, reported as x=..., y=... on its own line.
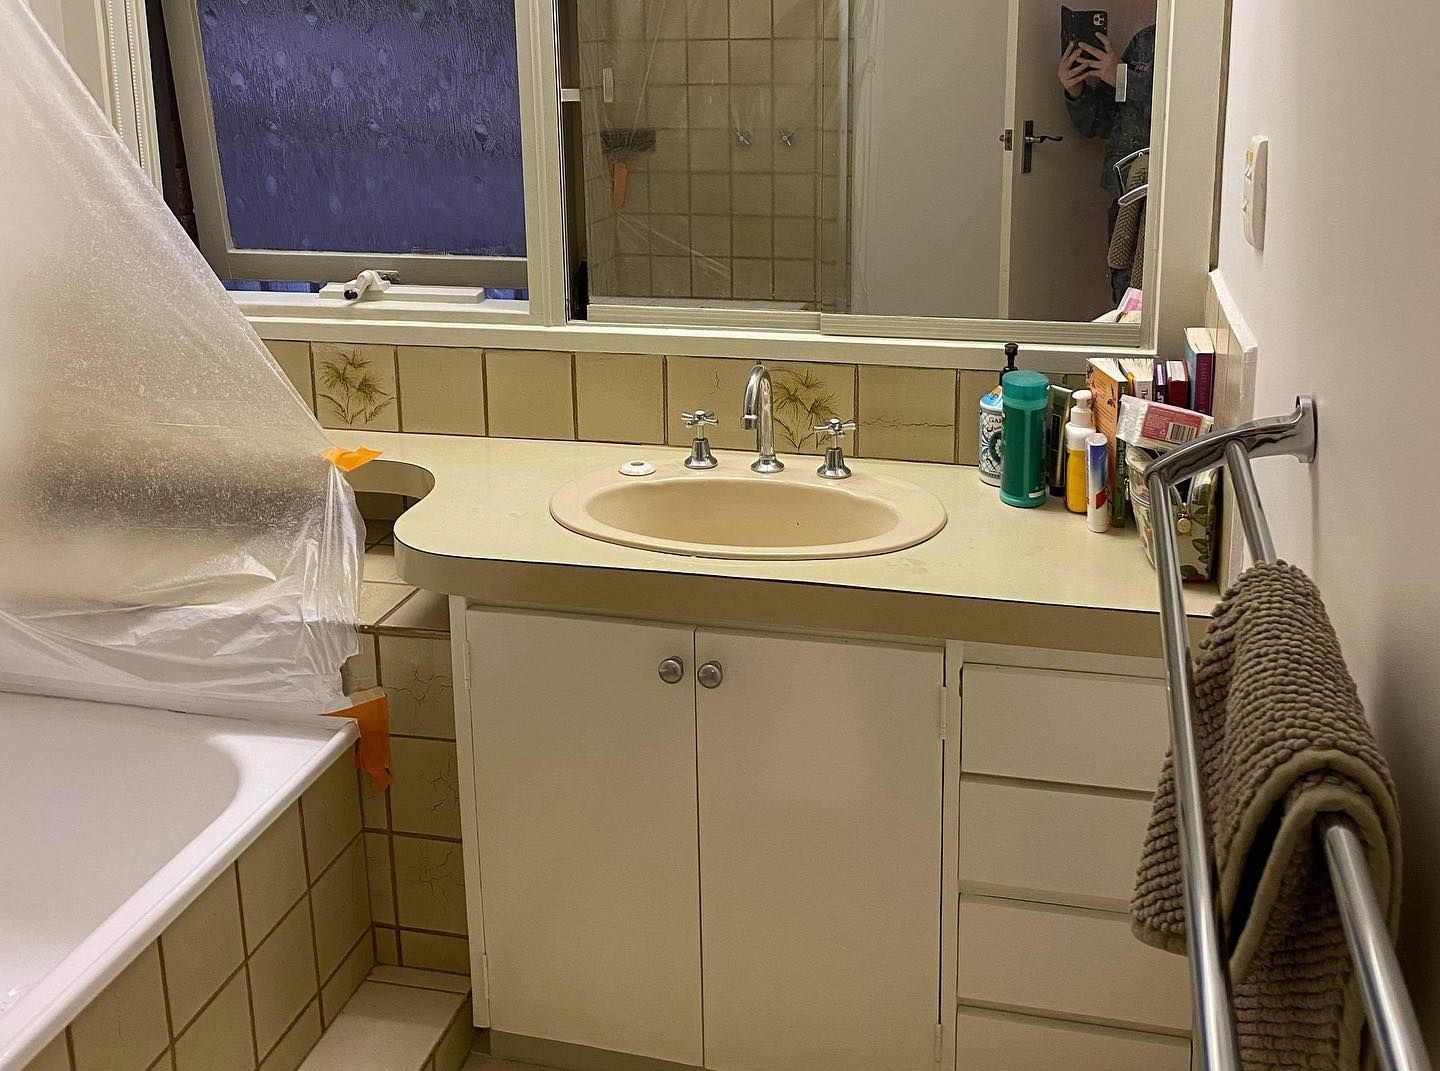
x=705, y=153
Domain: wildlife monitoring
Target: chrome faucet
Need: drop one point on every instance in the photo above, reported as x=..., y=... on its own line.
x=759, y=413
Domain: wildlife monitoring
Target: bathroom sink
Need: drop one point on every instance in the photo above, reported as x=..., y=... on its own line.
x=732, y=512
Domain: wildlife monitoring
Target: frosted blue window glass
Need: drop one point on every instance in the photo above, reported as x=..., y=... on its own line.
x=384, y=126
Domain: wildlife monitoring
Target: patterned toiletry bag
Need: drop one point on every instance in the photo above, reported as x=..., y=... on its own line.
x=1197, y=515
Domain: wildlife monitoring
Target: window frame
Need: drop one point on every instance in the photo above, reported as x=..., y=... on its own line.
x=207, y=187
x=1179, y=246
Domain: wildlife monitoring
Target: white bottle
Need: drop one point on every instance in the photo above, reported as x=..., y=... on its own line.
x=1082, y=423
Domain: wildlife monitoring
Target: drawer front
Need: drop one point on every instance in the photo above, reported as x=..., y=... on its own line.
x=1075, y=728
x=1056, y=845
x=995, y=1041
x=1068, y=961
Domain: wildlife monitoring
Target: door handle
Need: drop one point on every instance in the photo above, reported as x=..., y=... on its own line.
x=1028, y=142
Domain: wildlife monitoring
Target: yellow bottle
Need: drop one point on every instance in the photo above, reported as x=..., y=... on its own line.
x=1081, y=424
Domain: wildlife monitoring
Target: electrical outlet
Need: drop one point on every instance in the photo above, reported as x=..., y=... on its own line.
x=1253, y=190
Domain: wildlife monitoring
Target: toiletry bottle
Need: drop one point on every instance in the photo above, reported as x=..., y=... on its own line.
x=1097, y=476
x=1082, y=423
x=1025, y=396
x=992, y=424
x=1060, y=398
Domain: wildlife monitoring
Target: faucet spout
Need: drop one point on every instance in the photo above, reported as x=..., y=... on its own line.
x=758, y=413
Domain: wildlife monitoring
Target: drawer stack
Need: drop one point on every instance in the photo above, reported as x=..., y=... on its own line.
x=1057, y=769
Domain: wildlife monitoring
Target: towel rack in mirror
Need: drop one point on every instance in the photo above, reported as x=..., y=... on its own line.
x=1391, y=1015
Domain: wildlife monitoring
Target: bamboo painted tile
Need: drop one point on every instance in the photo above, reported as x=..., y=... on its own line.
x=355, y=386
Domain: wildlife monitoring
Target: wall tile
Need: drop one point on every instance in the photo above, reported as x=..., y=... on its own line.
x=346, y=979
x=753, y=278
x=795, y=195
x=706, y=18
x=750, y=62
x=202, y=947
x=387, y=945
x=361, y=670
x=377, y=867
x=373, y=811
x=620, y=397
x=664, y=20
x=974, y=385
x=425, y=790
x=282, y=976
x=377, y=600
x=430, y=881
x=294, y=360
x=53, y=1057
x=907, y=413
x=751, y=195
x=807, y=395
x=355, y=386
x=341, y=902
x=123, y=1029
x=290, y=1052
x=427, y=610
x=795, y=63
x=435, y=952
x=272, y=876
x=795, y=280
x=330, y=809
x=417, y=678
x=709, y=195
x=752, y=236
x=530, y=394
x=442, y=389
x=750, y=18
x=219, y=1039
x=716, y=383
x=795, y=18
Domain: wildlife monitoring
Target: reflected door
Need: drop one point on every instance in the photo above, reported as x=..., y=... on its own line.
x=1054, y=236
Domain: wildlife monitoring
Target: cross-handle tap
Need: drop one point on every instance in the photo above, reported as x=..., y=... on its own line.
x=834, y=467
x=700, y=455
x=758, y=413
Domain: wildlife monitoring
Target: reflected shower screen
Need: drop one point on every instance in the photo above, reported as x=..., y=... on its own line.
x=385, y=126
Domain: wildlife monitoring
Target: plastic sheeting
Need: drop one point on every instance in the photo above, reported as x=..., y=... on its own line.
x=170, y=534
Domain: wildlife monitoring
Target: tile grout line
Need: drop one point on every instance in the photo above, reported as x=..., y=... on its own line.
x=310, y=911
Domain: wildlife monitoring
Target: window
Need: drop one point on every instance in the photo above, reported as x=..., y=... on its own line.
x=327, y=136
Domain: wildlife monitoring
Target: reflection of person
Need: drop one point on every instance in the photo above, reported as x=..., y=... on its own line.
x=1095, y=113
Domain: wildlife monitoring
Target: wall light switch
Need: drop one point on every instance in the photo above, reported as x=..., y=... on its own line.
x=1252, y=196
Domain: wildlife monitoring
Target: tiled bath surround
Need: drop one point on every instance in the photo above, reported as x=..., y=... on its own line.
x=907, y=414
x=252, y=971
x=412, y=831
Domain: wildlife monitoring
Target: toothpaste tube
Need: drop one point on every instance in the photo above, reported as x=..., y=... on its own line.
x=1157, y=426
x=1097, y=480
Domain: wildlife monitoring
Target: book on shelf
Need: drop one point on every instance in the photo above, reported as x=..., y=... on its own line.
x=1200, y=363
x=1177, y=383
x=1108, y=383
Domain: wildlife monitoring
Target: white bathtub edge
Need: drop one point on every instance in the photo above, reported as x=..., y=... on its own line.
x=68, y=995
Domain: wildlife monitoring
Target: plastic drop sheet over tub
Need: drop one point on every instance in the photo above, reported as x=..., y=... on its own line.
x=171, y=535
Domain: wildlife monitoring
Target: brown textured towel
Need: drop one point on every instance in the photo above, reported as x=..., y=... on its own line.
x=1282, y=739
x=1127, y=240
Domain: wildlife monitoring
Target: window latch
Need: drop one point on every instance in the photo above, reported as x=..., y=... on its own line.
x=368, y=280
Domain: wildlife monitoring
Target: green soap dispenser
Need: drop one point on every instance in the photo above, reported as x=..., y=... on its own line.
x=1025, y=397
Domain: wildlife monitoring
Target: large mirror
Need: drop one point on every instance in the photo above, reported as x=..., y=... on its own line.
x=919, y=158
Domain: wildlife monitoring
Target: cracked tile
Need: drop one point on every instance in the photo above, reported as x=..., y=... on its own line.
x=907, y=413
x=425, y=787
x=430, y=880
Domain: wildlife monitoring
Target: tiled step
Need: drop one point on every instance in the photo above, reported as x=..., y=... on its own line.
x=399, y=1019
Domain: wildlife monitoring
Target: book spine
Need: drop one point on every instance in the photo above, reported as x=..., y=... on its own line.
x=1203, y=384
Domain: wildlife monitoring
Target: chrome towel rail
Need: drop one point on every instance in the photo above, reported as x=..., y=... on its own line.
x=1391, y=1014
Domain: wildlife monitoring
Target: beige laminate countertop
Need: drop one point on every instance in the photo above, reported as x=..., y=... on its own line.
x=995, y=574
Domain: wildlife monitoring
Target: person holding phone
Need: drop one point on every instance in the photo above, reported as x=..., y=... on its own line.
x=1088, y=75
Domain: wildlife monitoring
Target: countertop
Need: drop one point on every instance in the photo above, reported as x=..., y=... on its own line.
x=995, y=573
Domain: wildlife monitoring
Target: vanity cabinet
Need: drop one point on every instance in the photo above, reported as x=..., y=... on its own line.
x=734, y=863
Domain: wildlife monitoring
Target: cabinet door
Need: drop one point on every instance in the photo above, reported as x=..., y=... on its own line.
x=820, y=842
x=585, y=792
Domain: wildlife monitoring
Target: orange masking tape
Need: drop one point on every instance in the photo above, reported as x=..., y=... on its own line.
x=372, y=754
x=350, y=460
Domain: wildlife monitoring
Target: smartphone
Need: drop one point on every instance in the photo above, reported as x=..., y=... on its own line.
x=1082, y=27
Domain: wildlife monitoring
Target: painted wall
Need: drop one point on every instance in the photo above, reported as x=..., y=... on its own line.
x=928, y=100
x=1343, y=305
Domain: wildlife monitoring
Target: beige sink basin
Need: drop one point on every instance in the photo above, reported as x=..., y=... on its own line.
x=731, y=512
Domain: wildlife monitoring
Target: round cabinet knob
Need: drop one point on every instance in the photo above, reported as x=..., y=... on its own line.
x=672, y=670
x=710, y=675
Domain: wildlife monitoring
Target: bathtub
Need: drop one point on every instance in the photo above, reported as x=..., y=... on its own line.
x=112, y=819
